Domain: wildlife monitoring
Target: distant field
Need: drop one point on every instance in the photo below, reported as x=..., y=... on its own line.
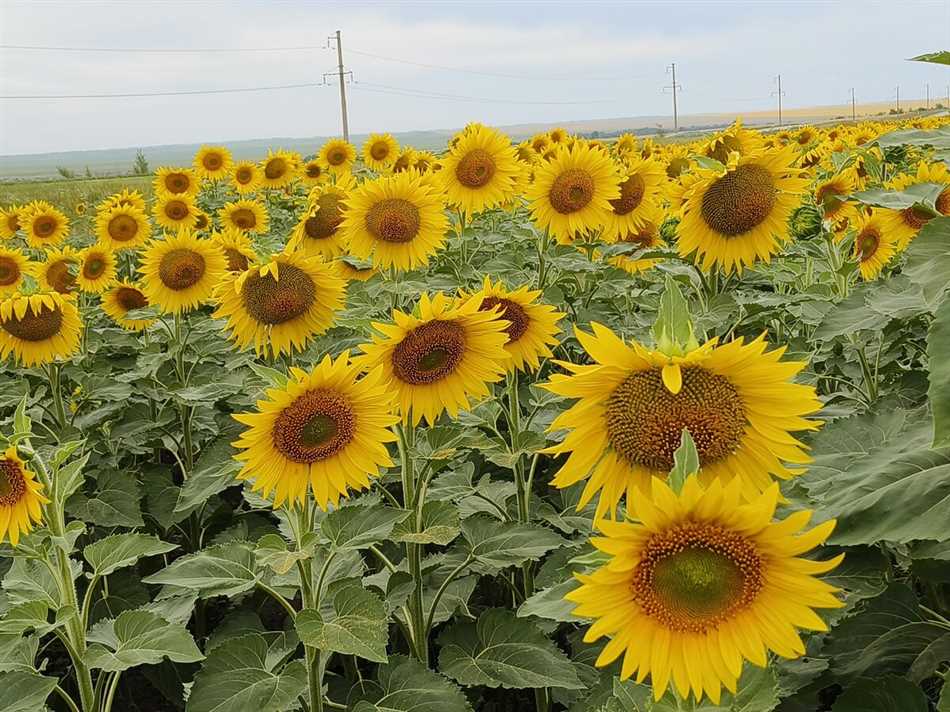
x=66, y=194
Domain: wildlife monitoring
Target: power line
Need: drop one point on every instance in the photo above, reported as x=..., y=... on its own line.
x=160, y=50
x=159, y=93
x=421, y=94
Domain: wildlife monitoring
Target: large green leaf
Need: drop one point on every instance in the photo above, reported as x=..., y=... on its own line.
x=933, y=57
x=120, y=550
x=223, y=570
x=359, y=525
x=357, y=626
x=214, y=472
x=938, y=355
x=115, y=502
x=872, y=306
x=501, y=650
x=889, y=694
x=549, y=603
x=24, y=691
x=501, y=544
x=408, y=686
x=878, y=476
x=927, y=260
x=238, y=676
x=139, y=638
x=440, y=525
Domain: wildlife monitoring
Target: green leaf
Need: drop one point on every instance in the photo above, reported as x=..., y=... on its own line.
x=938, y=355
x=359, y=526
x=927, y=260
x=673, y=328
x=440, y=525
x=24, y=691
x=272, y=551
x=214, y=472
x=890, y=694
x=500, y=544
x=223, y=570
x=23, y=617
x=238, y=676
x=21, y=421
x=685, y=461
x=921, y=195
x=408, y=686
x=358, y=626
x=932, y=57
x=549, y=603
x=501, y=650
x=271, y=376
x=29, y=581
x=120, y=550
x=139, y=638
x=114, y=504
x=878, y=476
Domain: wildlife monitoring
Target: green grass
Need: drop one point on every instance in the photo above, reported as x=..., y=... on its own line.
x=66, y=194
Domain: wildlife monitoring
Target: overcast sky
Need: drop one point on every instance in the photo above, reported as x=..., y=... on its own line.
x=560, y=61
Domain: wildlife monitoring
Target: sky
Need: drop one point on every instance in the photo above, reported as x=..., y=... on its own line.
x=495, y=62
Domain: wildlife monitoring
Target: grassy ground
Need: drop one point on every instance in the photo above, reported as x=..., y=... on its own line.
x=66, y=194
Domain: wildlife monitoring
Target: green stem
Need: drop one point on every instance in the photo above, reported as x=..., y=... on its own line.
x=107, y=705
x=284, y=603
x=64, y=696
x=55, y=384
x=301, y=523
x=438, y=594
x=413, y=502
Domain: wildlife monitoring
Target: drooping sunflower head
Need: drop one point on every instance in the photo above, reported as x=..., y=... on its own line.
x=325, y=430
x=10, y=221
x=38, y=328
x=625, y=145
x=405, y=160
x=571, y=193
x=175, y=182
x=21, y=498
x=123, y=298
x=45, y=225
x=634, y=403
x=318, y=231
x=678, y=162
x=642, y=183
x=97, y=269
x=248, y=216
x=397, y=221
x=425, y=161
x=213, y=162
x=125, y=198
x=735, y=216
x=647, y=236
x=14, y=266
x=558, y=135
x=540, y=143
x=175, y=212
x=245, y=177
x=238, y=249
x=532, y=325
x=337, y=155
x=279, y=169
x=831, y=196
x=702, y=582
x=440, y=360
x=380, y=151
x=876, y=241
x=180, y=272
x=735, y=139
x=80, y=208
x=313, y=173
x=58, y=272
x=122, y=227
x=480, y=172
x=279, y=306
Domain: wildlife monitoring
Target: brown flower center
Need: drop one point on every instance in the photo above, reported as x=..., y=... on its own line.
x=59, y=276
x=379, y=150
x=9, y=271
x=237, y=260
x=509, y=311
x=181, y=268
x=475, y=169
x=324, y=223
x=201, y=221
x=177, y=183
x=429, y=353
x=631, y=195
x=314, y=170
x=867, y=243
x=94, y=266
x=393, y=220
x=275, y=168
x=129, y=298
x=12, y=483
x=740, y=200
x=123, y=228
x=35, y=327
x=942, y=204
x=645, y=421
x=212, y=161
x=244, y=219
x=695, y=576
x=275, y=301
x=45, y=225
x=13, y=222
x=244, y=175
x=727, y=145
x=571, y=191
x=176, y=209
x=336, y=157
x=315, y=426
x=914, y=217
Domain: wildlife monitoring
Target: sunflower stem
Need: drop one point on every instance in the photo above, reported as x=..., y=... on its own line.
x=413, y=502
x=302, y=523
x=55, y=384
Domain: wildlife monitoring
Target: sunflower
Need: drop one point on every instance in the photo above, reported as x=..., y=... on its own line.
x=45, y=225
x=647, y=236
x=238, y=249
x=14, y=266
x=540, y=143
x=10, y=221
x=876, y=241
x=678, y=162
x=480, y=172
x=734, y=216
x=532, y=326
x=246, y=177
x=318, y=231
x=625, y=145
x=97, y=269
x=126, y=198
x=736, y=400
x=279, y=306
x=571, y=193
x=380, y=151
x=213, y=162
x=180, y=272
x=120, y=300
x=425, y=161
x=175, y=182
x=175, y=213
x=831, y=195
x=641, y=190
x=39, y=328
x=352, y=272
x=21, y=498
x=337, y=155
x=80, y=208
x=702, y=581
x=122, y=227
x=313, y=174
x=327, y=429
x=908, y=221
x=279, y=169
x=440, y=359
x=246, y=216
x=396, y=220
x=58, y=272
x=405, y=160
x=735, y=139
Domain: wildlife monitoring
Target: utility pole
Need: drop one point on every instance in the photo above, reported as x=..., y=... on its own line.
x=853, y=113
x=898, y=98
x=342, y=75
x=674, y=86
x=779, y=93
x=928, y=94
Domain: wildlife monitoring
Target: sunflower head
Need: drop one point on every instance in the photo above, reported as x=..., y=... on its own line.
x=14, y=266
x=213, y=162
x=122, y=227
x=58, y=272
x=481, y=170
x=175, y=182
x=876, y=241
x=337, y=155
x=21, y=498
x=245, y=177
x=318, y=231
x=405, y=160
x=313, y=173
x=45, y=226
x=248, y=216
x=97, y=269
x=10, y=221
x=180, y=272
x=380, y=151
x=175, y=212
x=38, y=328
x=125, y=198
x=123, y=298
x=238, y=249
x=279, y=169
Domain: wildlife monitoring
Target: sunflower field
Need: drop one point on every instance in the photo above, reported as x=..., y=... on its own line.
x=564, y=425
